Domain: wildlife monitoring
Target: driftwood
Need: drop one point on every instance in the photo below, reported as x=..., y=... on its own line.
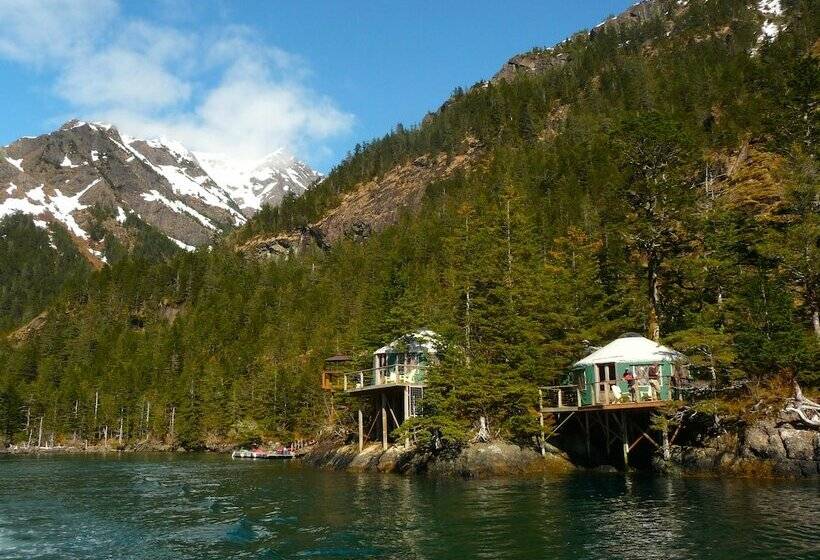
x=483, y=434
x=807, y=410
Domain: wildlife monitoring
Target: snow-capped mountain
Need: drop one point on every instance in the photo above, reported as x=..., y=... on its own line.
x=252, y=183
x=90, y=178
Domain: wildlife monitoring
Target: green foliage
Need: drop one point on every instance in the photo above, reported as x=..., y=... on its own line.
x=35, y=264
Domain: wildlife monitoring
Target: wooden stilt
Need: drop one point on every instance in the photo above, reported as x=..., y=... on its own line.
x=384, y=421
x=667, y=453
x=587, y=436
x=541, y=421
x=406, y=414
x=361, y=431
x=625, y=439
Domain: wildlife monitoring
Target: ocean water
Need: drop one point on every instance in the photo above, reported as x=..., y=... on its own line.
x=209, y=506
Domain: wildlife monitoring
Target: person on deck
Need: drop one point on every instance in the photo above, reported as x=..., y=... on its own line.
x=654, y=383
x=633, y=386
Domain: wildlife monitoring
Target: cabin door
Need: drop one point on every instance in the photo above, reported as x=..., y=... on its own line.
x=605, y=378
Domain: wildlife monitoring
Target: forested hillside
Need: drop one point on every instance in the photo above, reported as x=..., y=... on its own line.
x=662, y=179
x=35, y=265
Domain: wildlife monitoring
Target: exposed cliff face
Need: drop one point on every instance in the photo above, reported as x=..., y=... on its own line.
x=370, y=206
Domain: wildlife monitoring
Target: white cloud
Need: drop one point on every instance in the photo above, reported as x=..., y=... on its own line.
x=215, y=90
x=120, y=77
x=49, y=31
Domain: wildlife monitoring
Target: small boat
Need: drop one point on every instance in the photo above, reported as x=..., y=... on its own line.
x=261, y=454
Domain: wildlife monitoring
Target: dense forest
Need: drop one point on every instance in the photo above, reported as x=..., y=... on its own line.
x=660, y=182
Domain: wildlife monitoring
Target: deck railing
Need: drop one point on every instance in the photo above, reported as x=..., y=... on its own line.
x=559, y=396
x=385, y=375
x=562, y=396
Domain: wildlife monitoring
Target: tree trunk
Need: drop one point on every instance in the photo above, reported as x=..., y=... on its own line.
x=653, y=326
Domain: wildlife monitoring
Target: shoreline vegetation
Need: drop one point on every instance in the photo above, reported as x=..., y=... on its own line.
x=766, y=440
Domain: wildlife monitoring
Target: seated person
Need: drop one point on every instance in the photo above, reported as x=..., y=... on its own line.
x=633, y=386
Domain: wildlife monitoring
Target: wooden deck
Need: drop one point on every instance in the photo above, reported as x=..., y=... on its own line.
x=381, y=386
x=607, y=407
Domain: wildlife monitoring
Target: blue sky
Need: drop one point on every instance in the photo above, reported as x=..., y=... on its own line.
x=248, y=77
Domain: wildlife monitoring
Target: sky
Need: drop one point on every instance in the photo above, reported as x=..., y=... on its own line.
x=245, y=78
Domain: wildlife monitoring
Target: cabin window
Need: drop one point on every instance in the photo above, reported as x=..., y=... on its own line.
x=606, y=372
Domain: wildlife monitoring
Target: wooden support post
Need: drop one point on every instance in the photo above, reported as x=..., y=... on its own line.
x=587, y=436
x=361, y=431
x=667, y=453
x=541, y=421
x=560, y=399
x=406, y=413
x=384, y=421
x=608, y=431
x=625, y=439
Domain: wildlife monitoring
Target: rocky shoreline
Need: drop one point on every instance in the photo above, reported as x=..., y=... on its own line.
x=778, y=446
x=772, y=447
x=477, y=460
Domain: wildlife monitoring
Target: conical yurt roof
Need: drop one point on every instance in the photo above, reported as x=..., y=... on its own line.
x=422, y=341
x=631, y=348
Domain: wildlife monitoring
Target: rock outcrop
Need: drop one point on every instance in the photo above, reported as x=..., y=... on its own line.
x=540, y=60
x=478, y=460
x=534, y=62
x=370, y=206
x=782, y=446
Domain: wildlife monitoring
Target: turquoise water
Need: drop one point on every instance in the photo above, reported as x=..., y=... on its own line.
x=208, y=506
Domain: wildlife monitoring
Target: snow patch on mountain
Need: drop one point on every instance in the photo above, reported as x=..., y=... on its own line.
x=255, y=182
x=772, y=11
x=188, y=197
x=179, y=177
x=57, y=205
x=179, y=207
x=18, y=163
x=770, y=7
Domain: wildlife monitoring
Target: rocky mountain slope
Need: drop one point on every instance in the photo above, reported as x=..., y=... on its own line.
x=671, y=13
x=99, y=183
x=370, y=206
x=253, y=183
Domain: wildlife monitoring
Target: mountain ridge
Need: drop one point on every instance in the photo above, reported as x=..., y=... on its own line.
x=90, y=178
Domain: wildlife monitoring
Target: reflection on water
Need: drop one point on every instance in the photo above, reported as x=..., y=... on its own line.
x=199, y=506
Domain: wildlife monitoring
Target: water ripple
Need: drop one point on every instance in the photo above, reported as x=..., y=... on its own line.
x=205, y=506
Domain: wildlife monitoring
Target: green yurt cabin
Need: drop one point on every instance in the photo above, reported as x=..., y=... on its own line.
x=631, y=368
x=407, y=358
